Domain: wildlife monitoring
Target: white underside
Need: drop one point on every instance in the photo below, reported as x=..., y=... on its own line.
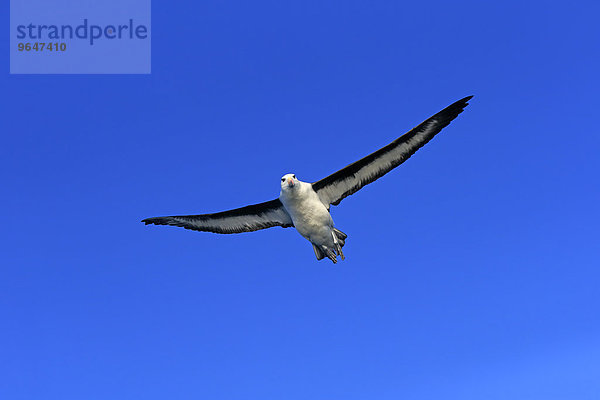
x=310, y=216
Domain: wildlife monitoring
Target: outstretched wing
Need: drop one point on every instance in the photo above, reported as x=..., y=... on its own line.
x=245, y=219
x=352, y=178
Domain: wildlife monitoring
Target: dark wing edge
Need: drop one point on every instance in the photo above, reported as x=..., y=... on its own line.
x=335, y=187
x=246, y=219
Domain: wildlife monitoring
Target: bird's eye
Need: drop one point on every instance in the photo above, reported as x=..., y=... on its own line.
x=282, y=179
x=294, y=176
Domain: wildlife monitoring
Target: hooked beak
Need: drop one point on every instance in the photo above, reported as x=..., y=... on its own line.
x=291, y=182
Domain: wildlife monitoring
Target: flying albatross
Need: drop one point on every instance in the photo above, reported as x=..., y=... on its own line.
x=305, y=206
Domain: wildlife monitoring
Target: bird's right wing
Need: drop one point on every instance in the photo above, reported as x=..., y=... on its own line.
x=245, y=219
x=348, y=180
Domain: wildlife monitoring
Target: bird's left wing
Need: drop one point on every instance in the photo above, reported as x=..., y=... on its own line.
x=245, y=219
x=348, y=180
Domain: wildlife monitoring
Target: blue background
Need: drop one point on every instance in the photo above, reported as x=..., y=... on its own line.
x=472, y=271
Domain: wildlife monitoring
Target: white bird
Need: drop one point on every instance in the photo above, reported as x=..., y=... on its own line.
x=305, y=206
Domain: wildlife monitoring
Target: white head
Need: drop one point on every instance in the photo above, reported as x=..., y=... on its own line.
x=289, y=181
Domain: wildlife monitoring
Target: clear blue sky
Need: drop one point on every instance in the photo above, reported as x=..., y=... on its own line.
x=472, y=271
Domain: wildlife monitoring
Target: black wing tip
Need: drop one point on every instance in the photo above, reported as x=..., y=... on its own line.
x=170, y=221
x=462, y=103
x=445, y=116
x=155, y=221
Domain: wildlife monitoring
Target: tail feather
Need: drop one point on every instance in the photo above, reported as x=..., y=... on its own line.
x=337, y=245
x=331, y=255
x=322, y=252
x=339, y=239
x=341, y=236
x=318, y=252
